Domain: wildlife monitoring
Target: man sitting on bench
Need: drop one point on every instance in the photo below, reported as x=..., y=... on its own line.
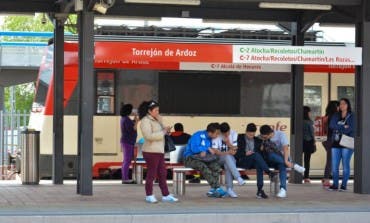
x=199, y=155
x=249, y=156
x=275, y=146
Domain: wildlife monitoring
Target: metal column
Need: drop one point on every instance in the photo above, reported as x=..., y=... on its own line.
x=362, y=81
x=58, y=102
x=296, y=138
x=86, y=102
x=2, y=98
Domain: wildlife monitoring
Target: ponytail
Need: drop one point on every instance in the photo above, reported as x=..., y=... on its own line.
x=143, y=109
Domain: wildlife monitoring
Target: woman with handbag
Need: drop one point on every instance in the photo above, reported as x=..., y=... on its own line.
x=153, y=150
x=309, y=144
x=128, y=139
x=330, y=110
x=343, y=126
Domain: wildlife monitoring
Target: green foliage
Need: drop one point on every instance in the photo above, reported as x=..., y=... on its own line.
x=23, y=97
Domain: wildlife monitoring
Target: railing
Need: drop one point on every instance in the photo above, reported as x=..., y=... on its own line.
x=11, y=125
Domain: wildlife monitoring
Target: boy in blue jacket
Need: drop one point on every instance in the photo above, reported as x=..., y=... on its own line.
x=197, y=153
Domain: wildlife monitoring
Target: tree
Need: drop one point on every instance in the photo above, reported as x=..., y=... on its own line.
x=23, y=97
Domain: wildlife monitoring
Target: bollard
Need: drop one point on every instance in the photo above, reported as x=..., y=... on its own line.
x=179, y=183
x=30, y=142
x=139, y=174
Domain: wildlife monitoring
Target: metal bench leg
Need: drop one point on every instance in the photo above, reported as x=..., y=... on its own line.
x=139, y=174
x=179, y=183
x=276, y=185
x=222, y=178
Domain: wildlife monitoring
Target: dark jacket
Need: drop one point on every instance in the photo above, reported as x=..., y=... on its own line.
x=339, y=128
x=241, y=146
x=180, y=138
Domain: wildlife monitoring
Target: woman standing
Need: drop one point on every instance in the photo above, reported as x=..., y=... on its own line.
x=128, y=139
x=309, y=144
x=330, y=110
x=342, y=123
x=153, y=150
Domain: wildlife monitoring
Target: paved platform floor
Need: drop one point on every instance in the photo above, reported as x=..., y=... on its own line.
x=114, y=202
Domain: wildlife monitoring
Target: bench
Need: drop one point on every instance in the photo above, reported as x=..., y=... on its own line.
x=179, y=179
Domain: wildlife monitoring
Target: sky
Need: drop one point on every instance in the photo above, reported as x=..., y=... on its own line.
x=331, y=34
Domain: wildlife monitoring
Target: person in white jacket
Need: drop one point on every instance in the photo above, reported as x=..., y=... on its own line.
x=227, y=145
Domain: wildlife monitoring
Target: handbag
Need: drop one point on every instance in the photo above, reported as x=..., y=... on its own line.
x=207, y=158
x=169, y=145
x=347, y=142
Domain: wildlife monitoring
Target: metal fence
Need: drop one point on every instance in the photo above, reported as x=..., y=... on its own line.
x=11, y=125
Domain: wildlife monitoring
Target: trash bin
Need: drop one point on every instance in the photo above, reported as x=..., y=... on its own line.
x=30, y=142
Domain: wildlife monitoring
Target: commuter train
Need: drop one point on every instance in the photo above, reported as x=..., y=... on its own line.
x=194, y=82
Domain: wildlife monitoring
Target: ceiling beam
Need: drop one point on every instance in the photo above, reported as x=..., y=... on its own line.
x=330, y=2
x=28, y=6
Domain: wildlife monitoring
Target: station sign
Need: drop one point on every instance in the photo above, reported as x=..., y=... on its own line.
x=315, y=55
x=217, y=57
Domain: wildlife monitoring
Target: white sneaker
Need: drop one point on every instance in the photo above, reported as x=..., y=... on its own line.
x=282, y=193
x=151, y=199
x=241, y=181
x=231, y=193
x=170, y=198
x=298, y=168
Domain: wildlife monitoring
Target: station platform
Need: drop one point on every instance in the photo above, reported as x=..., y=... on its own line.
x=114, y=202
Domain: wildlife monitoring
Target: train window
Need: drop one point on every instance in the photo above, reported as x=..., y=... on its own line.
x=199, y=93
x=105, y=92
x=313, y=99
x=266, y=94
x=347, y=92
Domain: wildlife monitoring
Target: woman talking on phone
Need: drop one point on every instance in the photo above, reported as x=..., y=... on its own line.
x=153, y=150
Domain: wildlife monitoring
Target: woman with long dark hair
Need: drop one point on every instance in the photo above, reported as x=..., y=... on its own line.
x=309, y=144
x=153, y=132
x=342, y=123
x=330, y=110
x=128, y=139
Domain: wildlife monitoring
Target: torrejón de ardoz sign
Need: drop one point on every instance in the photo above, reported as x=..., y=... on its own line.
x=297, y=55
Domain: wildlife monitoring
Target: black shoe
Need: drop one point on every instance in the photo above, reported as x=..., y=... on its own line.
x=343, y=188
x=332, y=188
x=261, y=195
x=195, y=180
x=128, y=182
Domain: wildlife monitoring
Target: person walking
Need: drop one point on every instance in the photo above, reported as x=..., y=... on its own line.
x=153, y=132
x=342, y=123
x=128, y=139
x=309, y=143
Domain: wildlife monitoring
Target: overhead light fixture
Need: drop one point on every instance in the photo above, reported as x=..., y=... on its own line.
x=103, y=5
x=272, y=5
x=165, y=2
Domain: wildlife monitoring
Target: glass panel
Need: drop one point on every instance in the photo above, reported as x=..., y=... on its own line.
x=105, y=92
x=313, y=99
x=105, y=105
x=105, y=83
x=266, y=94
x=347, y=92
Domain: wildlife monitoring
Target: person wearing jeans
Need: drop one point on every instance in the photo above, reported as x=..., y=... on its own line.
x=275, y=148
x=226, y=145
x=153, y=150
x=249, y=156
x=342, y=123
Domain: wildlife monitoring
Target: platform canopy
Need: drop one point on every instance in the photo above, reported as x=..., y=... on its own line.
x=329, y=11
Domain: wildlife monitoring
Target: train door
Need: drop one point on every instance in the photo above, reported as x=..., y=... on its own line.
x=316, y=96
